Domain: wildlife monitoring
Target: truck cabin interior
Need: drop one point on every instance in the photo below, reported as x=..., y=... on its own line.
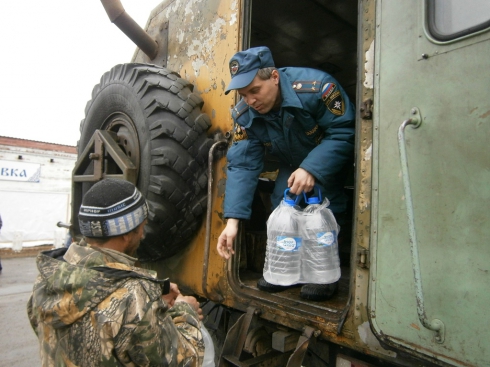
x=319, y=34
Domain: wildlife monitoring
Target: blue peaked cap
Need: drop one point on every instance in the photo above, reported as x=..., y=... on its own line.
x=244, y=65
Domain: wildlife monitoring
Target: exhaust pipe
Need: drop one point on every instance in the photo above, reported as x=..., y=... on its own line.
x=130, y=28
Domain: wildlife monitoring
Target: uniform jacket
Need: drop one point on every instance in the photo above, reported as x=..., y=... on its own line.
x=95, y=308
x=314, y=130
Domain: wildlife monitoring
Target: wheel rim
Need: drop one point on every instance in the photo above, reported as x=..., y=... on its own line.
x=127, y=135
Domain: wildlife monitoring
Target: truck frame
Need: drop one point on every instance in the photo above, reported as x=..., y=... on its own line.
x=415, y=264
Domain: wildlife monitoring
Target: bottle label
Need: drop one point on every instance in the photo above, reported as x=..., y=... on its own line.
x=326, y=238
x=287, y=243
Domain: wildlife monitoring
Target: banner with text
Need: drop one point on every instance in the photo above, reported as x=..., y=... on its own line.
x=19, y=171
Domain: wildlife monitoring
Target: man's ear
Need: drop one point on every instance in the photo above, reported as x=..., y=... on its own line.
x=126, y=238
x=275, y=76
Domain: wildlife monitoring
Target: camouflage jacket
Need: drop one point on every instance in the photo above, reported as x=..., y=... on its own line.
x=95, y=308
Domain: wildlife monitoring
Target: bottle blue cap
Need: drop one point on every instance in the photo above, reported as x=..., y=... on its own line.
x=289, y=201
x=313, y=200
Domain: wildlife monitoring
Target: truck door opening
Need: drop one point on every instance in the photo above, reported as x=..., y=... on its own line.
x=316, y=34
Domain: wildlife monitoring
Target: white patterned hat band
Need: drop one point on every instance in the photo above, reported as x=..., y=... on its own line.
x=111, y=208
x=116, y=226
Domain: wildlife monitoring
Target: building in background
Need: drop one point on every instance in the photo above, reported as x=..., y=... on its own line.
x=35, y=192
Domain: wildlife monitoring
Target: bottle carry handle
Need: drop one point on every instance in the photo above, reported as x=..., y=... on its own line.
x=314, y=199
x=290, y=201
x=311, y=200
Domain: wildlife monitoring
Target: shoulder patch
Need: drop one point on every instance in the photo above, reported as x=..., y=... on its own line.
x=335, y=103
x=306, y=86
x=327, y=90
x=239, y=132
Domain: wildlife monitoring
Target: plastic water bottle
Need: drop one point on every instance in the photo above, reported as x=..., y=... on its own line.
x=208, y=348
x=282, y=258
x=320, y=263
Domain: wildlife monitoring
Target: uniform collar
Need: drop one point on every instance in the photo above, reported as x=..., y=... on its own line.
x=289, y=96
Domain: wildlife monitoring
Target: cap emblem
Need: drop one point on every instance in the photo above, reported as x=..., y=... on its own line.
x=234, y=67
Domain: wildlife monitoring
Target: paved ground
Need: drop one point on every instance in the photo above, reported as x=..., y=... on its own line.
x=18, y=343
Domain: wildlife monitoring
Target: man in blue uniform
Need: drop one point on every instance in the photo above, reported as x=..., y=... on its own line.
x=301, y=116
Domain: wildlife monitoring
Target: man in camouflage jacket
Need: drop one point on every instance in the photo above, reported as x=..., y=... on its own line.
x=91, y=306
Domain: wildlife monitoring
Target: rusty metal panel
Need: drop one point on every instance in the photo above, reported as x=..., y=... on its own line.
x=358, y=322
x=202, y=37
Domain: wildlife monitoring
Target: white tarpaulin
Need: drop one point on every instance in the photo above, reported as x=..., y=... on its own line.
x=19, y=171
x=32, y=216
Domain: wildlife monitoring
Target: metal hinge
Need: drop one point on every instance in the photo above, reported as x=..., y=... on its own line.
x=363, y=258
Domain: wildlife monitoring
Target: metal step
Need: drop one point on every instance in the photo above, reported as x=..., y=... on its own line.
x=287, y=348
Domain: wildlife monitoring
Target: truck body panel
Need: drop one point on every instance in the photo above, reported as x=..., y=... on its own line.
x=414, y=282
x=448, y=172
x=199, y=35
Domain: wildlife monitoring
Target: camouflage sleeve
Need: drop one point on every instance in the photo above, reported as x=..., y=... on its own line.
x=162, y=337
x=31, y=313
x=187, y=322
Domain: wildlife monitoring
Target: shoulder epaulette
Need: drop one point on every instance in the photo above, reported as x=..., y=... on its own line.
x=240, y=108
x=306, y=86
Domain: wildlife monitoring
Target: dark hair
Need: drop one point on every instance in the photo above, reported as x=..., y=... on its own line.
x=96, y=240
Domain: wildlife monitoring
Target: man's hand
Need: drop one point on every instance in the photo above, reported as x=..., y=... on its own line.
x=225, y=240
x=192, y=301
x=301, y=180
x=172, y=295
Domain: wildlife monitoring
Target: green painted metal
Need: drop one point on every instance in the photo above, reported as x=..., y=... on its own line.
x=449, y=177
x=435, y=325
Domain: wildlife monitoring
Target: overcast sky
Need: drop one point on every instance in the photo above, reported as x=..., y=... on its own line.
x=53, y=52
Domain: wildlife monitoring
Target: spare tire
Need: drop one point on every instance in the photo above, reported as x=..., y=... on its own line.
x=160, y=127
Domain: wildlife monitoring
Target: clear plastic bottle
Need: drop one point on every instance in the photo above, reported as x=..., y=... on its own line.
x=320, y=263
x=283, y=259
x=208, y=348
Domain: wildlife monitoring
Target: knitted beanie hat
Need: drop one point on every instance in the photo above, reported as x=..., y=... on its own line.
x=111, y=208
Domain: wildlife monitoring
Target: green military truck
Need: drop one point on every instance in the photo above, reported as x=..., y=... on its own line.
x=415, y=262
